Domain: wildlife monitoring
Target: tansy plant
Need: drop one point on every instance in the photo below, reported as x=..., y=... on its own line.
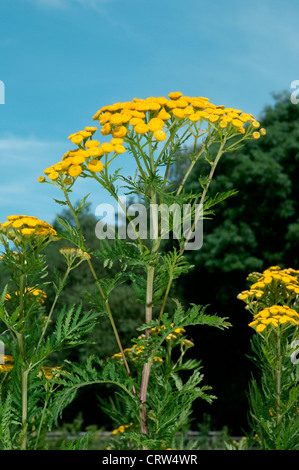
x=272, y=299
x=29, y=333
x=152, y=392
x=156, y=383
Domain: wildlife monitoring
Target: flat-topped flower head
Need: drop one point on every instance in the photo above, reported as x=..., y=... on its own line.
x=145, y=116
x=274, y=316
x=151, y=120
x=284, y=282
x=23, y=226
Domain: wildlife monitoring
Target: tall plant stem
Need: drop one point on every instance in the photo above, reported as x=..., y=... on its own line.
x=107, y=306
x=278, y=380
x=104, y=297
x=24, y=370
x=149, y=306
x=191, y=166
x=202, y=199
x=60, y=287
x=24, y=386
x=147, y=366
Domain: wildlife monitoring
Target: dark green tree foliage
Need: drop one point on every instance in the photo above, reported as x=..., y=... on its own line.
x=250, y=231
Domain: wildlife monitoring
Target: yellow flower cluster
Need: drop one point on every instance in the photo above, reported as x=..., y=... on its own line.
x=71, y=254
x=268, y=294
x=121, y=429
x=134, y=353
x=86, y=158
x=48, y=372
x=23, y=225
x=284, y=280
x=151, y=117
x=274, y=315
x=174, y=335
x=31, y=292
x=7, y=363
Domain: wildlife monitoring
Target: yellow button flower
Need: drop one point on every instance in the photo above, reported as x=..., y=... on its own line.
x=223, y=123
x=136, y=120
x=260, y=327
x=92, y=143
x=76, y=139
x=107, y=147
x=95, y=152
x=237, y=123
x=119, y=148
x=84, y=134
x=75, y=170
x=77, y=159
x=160, y=135
x=116, y=119
x=141, y=128
x=53, y=175
x=27, y=231
x=116, y=141
x=106, y=129
x=194, y=117
x=119, y=131
x=175, y=95
x=95, y=165
x=92, y=130
x=179, y=113
x=163, y=114
x=155, y=124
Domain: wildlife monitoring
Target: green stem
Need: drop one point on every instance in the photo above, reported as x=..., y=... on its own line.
x=105, y=299
x=113, y=193
x=202, y=199
x=137, y=159
x=203, y=196
x=148, y=317
x=24, y=370
x=24, y=391
x=170, y=281
x=194, y=161
x=49, y=392
x=278, y=380
x=60, y=287
x=107, y=306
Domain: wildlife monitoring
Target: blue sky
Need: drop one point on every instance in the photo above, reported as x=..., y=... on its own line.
x=61, y=60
